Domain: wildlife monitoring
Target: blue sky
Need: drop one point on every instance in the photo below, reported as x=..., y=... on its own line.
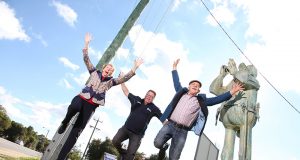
x=42, y=67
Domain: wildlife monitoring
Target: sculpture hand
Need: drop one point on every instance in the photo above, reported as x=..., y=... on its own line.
x=232, y=67
x=224, y=71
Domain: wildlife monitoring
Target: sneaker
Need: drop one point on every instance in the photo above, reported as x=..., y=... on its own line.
x=62, y=128
x=166, y=146
x=162, y=152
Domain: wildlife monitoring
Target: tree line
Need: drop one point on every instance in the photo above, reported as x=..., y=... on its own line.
x=26, y=136
x=97, y=148
x=17, y=133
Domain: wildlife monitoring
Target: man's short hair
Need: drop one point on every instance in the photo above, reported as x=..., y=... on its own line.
x=150, y=90
x=196, y=81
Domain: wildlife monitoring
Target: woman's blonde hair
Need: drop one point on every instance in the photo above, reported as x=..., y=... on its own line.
x=113, y=68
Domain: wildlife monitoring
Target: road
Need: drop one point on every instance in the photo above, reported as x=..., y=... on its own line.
x=11, y=149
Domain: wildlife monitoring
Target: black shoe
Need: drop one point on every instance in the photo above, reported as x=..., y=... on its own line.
x=162, y=151
x=122, y=157
x=123, y=154
x=62, y=128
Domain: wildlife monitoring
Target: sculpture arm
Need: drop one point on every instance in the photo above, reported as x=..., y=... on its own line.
x=216, y=87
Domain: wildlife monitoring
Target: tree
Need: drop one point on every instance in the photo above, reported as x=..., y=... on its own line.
x=30, y=138
x=15, y=132
x=108, y=147
x=5, y=121
x=155, y=157
x=139, y=156
x=94, y=149
x=97, y=148
x=75, y=154
x=42, y=144
x=152, y=157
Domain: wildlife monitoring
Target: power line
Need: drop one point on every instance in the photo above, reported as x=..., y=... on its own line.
x=248, y=58
x=143, y=21
x=155, y=30
x=157, y=26
x=139, y=31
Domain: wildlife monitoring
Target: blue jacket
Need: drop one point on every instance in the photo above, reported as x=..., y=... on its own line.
x=203, y=101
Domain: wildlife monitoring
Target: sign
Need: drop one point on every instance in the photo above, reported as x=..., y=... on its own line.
x=206, y=150
x=108, y=156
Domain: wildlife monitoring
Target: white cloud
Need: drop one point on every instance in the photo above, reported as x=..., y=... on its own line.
x=122, y=53
x=68, y=63
x=9, y=102
x=2, y=90
x=65, y=11
x=40, y=38
x=121, y=105
x=10, y=26
x=279, y=37
x=104, y=124
x=176, y=4
x=222, y=13
x=65, y=83
x=95, y=53
x=31, y=113
x=82, y=78
x=153, y=45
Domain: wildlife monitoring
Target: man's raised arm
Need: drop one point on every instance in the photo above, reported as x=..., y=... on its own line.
x=175, y=76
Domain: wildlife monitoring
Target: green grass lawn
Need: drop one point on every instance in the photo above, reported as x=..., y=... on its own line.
x=2, y=157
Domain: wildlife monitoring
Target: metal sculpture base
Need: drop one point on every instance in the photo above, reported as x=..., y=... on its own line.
x=58, y=141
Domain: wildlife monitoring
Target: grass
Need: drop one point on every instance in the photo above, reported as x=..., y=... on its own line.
x=2, y=157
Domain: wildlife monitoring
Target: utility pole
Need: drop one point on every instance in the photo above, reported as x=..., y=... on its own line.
x=88, y=144
x=47, y=131
x=119, y=39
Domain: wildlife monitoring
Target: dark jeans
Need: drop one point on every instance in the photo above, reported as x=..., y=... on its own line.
x=178, y=136
x=86, y=110
x=134, y=142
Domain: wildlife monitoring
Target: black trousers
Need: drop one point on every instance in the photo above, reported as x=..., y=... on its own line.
x=85, y=110
x=133, y=145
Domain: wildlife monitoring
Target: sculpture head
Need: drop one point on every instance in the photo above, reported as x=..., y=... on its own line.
x=247, y=75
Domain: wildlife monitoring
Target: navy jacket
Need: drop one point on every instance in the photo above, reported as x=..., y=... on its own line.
x=203, y=101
